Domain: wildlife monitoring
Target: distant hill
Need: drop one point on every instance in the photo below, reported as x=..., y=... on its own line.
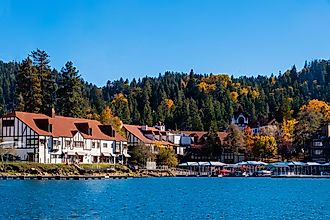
x=190, y=101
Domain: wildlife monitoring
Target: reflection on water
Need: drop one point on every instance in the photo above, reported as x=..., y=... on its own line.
x=167, y=198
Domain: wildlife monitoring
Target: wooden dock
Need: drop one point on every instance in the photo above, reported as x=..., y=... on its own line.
x=302, y=176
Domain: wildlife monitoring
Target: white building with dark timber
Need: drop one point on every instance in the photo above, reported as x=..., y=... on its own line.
x=57, y=139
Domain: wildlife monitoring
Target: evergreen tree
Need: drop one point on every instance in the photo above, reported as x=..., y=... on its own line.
x=196, y=120
x=47, y=79
x=24, y=95
x=70, y=95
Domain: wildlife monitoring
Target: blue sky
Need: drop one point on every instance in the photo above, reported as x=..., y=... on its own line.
x=121, y=38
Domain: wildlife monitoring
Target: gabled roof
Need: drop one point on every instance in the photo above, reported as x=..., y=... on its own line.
x=64, y=126
x=221, y=135
x=29, y=119
x=238, y=113
x=137, y=131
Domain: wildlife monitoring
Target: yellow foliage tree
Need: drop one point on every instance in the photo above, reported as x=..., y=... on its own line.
x=169, y=103
x=273, y=80
x=119, y=97
x=249, y=140
x=107, y=118
x=318, y=106
x=205, y=87
x=264, y=146
x=255, y=93
x=224, y=79
x=234, y=96
x=244, y=91
x=287, y=135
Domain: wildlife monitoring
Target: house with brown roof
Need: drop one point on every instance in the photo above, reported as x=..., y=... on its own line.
x=151, y=137
x=57, y=139
x=196, y=150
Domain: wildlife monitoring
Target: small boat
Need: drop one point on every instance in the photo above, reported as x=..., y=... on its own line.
x=264, y=173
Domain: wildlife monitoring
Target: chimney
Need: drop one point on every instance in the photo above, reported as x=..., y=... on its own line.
x=50, y=112
x=144, y=128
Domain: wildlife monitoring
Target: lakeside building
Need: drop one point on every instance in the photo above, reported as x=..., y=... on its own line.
x=240, y=119
x=188, y=145
x=57, y=139
x=319, y=147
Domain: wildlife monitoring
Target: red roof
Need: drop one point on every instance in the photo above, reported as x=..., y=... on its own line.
x=64, y=126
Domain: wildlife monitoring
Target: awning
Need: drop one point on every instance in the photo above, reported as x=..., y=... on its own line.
x=325, y=164
x=7, y=143
x=296, y=163
x=217, y=164
x=80, y=153
x=279, y=165
x=126, y=155
x=71, y=153
x=192, y=164
x=106, y=154
x=204, y=163
x=313, y=164
x=183, y=165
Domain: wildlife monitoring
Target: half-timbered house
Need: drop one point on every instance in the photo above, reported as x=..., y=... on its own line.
x=57, y=139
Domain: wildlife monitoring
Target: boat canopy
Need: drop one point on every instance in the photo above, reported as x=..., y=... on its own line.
x=251, y=163
x=325, y=164
x=217, y=164
x=279, y=164
x=313, y=164
x=296, y=163
x=202, y=163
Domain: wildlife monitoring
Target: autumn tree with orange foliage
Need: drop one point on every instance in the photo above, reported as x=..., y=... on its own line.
x=249, y=141
x=286, y=148
x=318, y=106
x=120, y=107
x=108, y=118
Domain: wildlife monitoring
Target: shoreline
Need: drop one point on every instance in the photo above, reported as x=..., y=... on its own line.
x=105, y=177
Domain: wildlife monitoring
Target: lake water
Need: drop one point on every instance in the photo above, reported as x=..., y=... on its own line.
x=166, y=198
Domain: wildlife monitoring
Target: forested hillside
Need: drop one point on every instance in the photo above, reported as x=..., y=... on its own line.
x=187, y=101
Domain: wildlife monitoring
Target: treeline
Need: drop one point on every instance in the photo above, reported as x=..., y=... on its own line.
x=186, y=101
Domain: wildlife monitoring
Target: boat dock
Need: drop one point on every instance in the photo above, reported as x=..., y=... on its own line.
x=302, y=176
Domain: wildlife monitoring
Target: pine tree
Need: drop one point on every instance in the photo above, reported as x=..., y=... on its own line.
x=196, y=119
x=71, y=101
x=47, y=79
x=24, y=96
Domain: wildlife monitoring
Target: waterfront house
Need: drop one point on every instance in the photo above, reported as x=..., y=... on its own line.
x=57, y=139
x=197, y=149
x=319, y=147
x=263, y=125
x=151, y=137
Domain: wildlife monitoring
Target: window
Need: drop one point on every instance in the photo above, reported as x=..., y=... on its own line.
x=317, y=144
x=42, y=141
x=56, y=142
x=7, y=123
x=105, y=145
x=31, y=141
x=117, y=147
x=98, y=144
x=78, y=144
x=93, y=144
x=318, y=152
x=67, y=143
